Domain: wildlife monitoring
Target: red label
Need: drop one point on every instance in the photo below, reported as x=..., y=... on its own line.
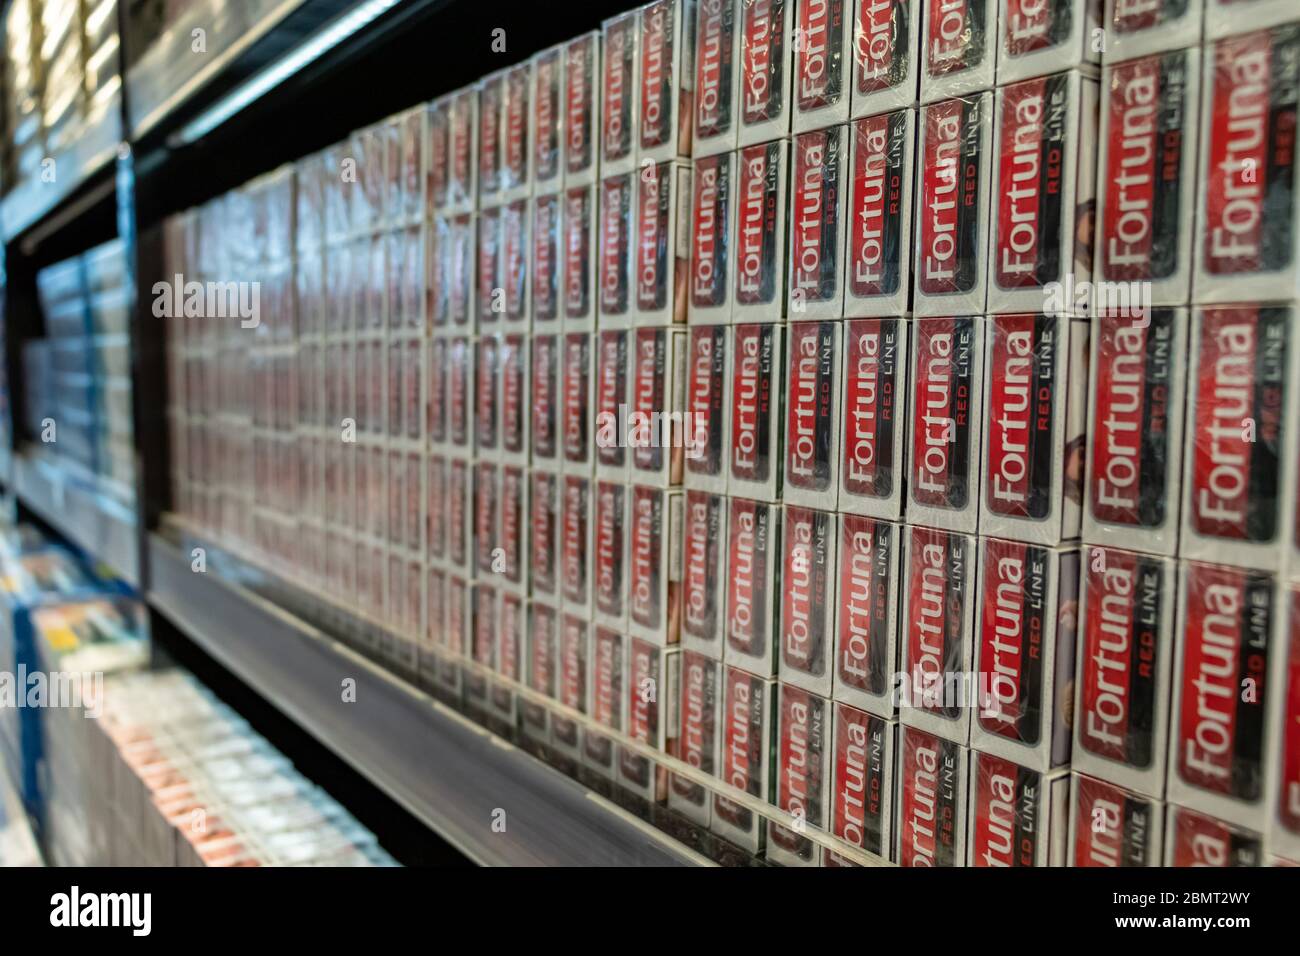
x=485, y=514
x=866, y=574
x=939, y=578
x=815, y=225
x=871, y=402
x=1015, y=622
x=512, y=523
x=882, y=44
x=654, y=258
x=1007, y=813
x=489, y=265
x=1250, y=178
x=819, y=66
x=744, y=749
x=711, y=207
x=543, y=520
x=1204, y=841
x=942, y=397
x=486, y=391
x=645, y=557
x=751, y=402
x=929, y=812
x=802, y=768
x=1220, y=727
x=1025, y=400
x=956, y=41
x=546, y=113
x=714, y=67
x=489, y=135
x=950, y=239
x=1130, y=453
x=810, y=405
x=458, y=508
x=1288, y=808
x=760, y=190
x=611, y=511
x=807, y=583
x=515, y=151
x=578, y=266
x=1241, y=385
x=657, y=82
x=699, y=718
x=606, y=693
x=1113, y=827
x=545, y=394
x=514, y=374
x=649, y=399
x=705, y=399
x=749, y=550
x=577, y=395
x=579, y=96
x=763, y=61
x=546, y=264
x=574, y=541
x=611, y=394
x=619, y=87
x=876, y=238
x=615, y=244
x=642, y=709
x=862, y=787
x=702, y=578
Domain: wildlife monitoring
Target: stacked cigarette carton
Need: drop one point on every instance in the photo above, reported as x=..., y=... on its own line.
x=886, y=407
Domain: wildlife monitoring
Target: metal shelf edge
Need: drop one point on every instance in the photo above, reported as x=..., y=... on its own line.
x=445, y=770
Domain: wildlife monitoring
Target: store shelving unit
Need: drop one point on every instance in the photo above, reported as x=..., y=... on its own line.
x=448, y=772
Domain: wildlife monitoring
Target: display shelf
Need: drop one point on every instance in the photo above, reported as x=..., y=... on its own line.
x=170, y=72
x=105, y=529
x=447, y=771
x=89, y=157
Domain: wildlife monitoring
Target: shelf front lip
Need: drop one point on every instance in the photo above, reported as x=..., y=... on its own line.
x=445, y=770
x=102, y=528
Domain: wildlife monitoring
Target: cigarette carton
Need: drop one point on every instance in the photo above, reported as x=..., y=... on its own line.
x=1228, y=672
x=753, y=556
x=766, y=69
x=932, y=779
x=1038, y=240
x=605, y=705
x=1126, y=647
x=947, y=422
x=747, y=742
x=874, y=448
x=661, y=261
x=1042, y=36
x=1135, y=430
x=717, y=77
x=547, y=261
x=483, y=600
x=1113, y=827
x=544, y=534
x=1019, y=817
x=610, y=554
x=583, y=81
x=656, y=434
x=575, y=566
x=885, y=72
x=487, y=396
x=1034, y=416
x=546, y=399
x=654, y=564
x=1194, y=839
x=1228, y=17
x=461, y=247
x=817, y=223
x=616, y=300
x=487, y=517
x=437, y=152
x=514, y=276
x=1242, y=426
x=822, y=63
x=652, y=698
x=512, y=618
x=1145, y=196
x=953, y=205
x=456, y=635
x=879, y=278
x=462, y=161
x=707, y=409
x=611, y=404
x=1285, y=822
x=460, y=512
x=620, y=94
x=489, y=293
x=704, y=565
x=700, y=709
x=866, y=613
x=709, y=293
x=667, y=80
x=1137, y=28
x=571, y=682
x=512, y=360
x=862, y=783
x=812, y=437
x=541, y=657
x=578, y=244
x=762, y=204
x=958, y=48
x=807, y=625
x=938, y=631
x=803, y=777
x=1024, y=652
x=1247, y=243
x=576, y=418
x=491, y=110
x=754, y=447
x=511, y=564
x=516, y=143
x=546, y=116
